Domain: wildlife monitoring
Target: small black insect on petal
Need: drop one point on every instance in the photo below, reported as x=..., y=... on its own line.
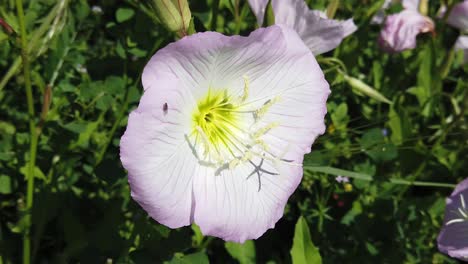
x=165, y=108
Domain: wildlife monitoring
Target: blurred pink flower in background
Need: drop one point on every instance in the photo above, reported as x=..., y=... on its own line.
x=458, y=18
x=453, y=237
x=379, y=17
x=318, y=32
x=401, y=29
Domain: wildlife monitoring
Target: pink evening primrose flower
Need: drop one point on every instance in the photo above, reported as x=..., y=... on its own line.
x=379, y=17
x=319, y=33
x=221, y=130
x=453, y=237
x=458, y=18
x=401, y=29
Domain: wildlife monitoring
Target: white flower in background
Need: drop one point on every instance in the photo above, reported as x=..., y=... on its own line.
x=81, y=69
x=96, y=10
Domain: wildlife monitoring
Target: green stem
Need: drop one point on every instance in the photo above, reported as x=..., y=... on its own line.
x=214, y=18
x=206, y=242
x=444, y=70
x=37, y=41
x=332, y=7
x=121, y=114
x=237, y=17
x=457, y=118
x=33, y=135
x=365, y=177
x=11, y=72
x=1, y=245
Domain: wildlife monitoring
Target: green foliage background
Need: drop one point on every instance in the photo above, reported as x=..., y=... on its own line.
x=92, y=61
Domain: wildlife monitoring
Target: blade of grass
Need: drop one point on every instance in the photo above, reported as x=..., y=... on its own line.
x=50, y=27
x=33, y=135
x=214, y=15
x=365, y=177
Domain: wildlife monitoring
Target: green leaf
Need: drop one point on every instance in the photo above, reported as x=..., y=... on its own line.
x=37, y=172
x=5, y=184
x=332, y=7
x=399, y=123
x=114, y=85
x=269, y=19
x=244, y=253
x=120, y=50
x=365, y=177
x=77, y=127
x=372, y=250
x=104, y=102
x=7, y=128
x=428, y=83
x=340, y=116
x=375, y=145
x=363, y=88
x=124, y=14
x=303, y=250
x=351, y=215
x=197, y=237
x=196, y=258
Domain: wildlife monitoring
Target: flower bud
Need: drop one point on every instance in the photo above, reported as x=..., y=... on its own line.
x=174, y=14
x=7, y=28
x=269, y=15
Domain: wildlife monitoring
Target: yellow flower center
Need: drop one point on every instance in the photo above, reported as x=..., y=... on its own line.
x=215, y=117
x=226, y=133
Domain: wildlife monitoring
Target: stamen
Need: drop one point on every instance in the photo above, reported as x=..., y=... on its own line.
x=206, y=143
x=462, y=213
x=259, y=113
x=454, y=221
x=226, y=137
x=265, y=130
x=462, y=200
x=245, y=95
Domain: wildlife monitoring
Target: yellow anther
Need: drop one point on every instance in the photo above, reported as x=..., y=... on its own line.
x=264, y=130
x=245, y=95
x=262, y=144
x=234, y=163
x=237, y=161
x=247, y=156
x=266, y=106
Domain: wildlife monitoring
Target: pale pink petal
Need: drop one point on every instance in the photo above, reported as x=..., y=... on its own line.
x=320, y=34
x=459, y=16
x=153, y=150
x=258, y=8
x=411, y=4
x=401, y=29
